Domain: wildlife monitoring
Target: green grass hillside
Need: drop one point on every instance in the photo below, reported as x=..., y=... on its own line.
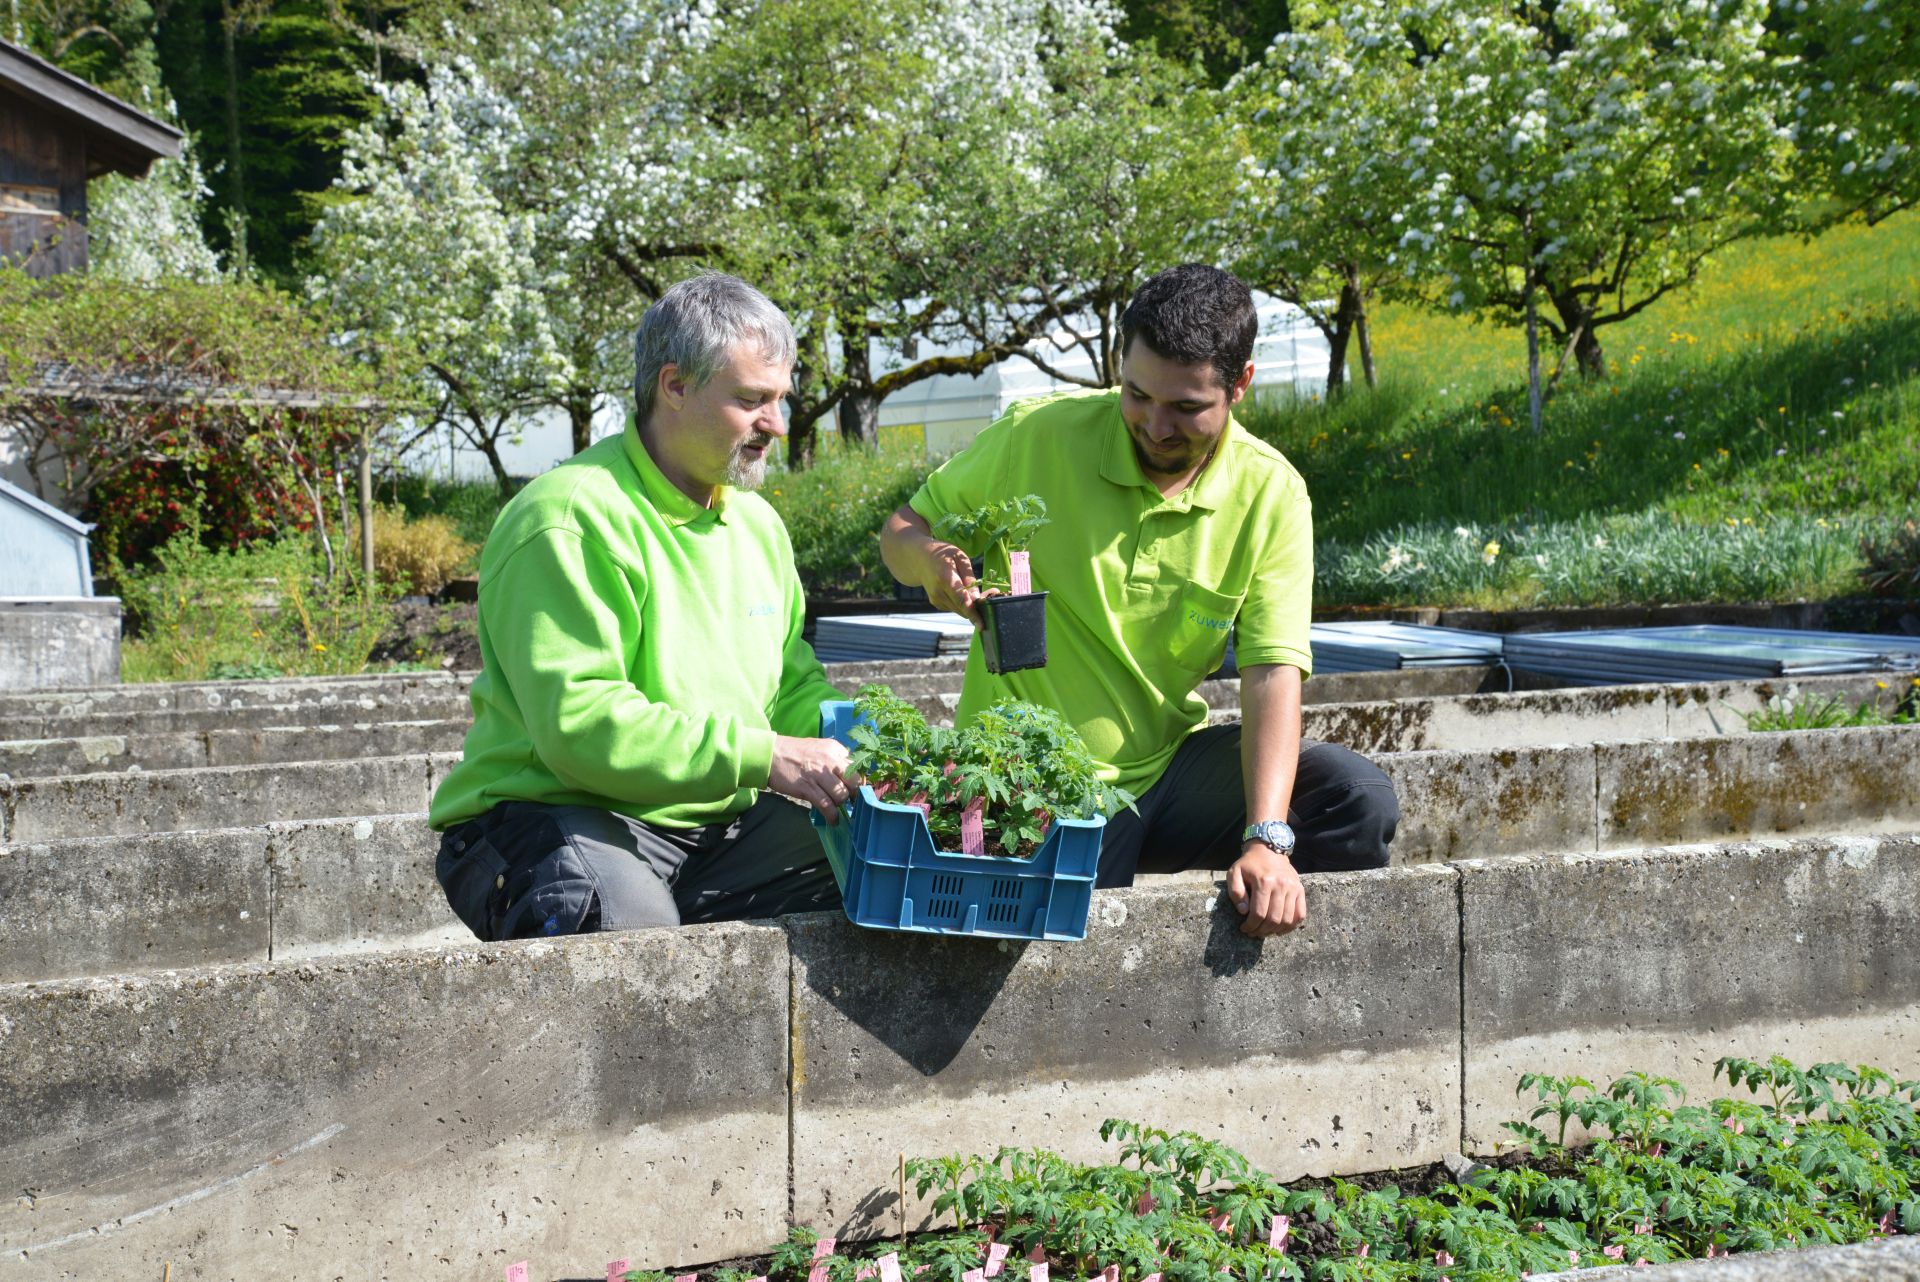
x=1750, y=434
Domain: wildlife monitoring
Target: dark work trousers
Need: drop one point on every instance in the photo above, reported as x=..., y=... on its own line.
x=1343, y=814
x=526, y=869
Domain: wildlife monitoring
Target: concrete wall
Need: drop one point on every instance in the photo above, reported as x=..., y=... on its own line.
x=665, y=1094
x=105, y=905
x=59, y=641
x=335, y=884
x=192, y=749
x=216, y=797
x=1453, y=804
x=1888, y=1260
x=422, y=1115
x=1668, y=959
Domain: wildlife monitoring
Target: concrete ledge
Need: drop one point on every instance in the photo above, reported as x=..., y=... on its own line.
x=1334, y=1048
x=238, y=747
x=1669, y=959
x=98, y=905
x=1889, y=1260
x=104, y=905
x=1668, y=791
x=1458, y=804
x=669, y=1095
x=443, y=703
x=184, y=695
x=55, y=641
x=217, y=797
x=408, y=1116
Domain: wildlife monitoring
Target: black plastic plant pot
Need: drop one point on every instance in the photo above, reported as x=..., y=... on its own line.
x=1015, y=635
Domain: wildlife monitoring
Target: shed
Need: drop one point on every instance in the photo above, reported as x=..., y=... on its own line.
x=46, y=550
x=57, y=132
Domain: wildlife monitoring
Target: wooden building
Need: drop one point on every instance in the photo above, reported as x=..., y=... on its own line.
x=56, y=132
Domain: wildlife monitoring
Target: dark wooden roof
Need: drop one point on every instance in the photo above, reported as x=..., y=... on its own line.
x=119, y=138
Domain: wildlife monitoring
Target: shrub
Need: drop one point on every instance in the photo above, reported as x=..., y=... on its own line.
x=218, y=404
x=418, y=555
x=264, y=610
x=1892, y=561
x=834, y=510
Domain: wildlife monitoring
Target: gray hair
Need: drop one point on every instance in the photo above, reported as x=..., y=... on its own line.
x=695, y=324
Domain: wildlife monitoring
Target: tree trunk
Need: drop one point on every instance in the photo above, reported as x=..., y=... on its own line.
x=489, y=445
x=580, y=419
x=1338, y=341
x=1577, y=319
x=1364, y=332
x=1533, y=356
x=859, y=409
x=236, y=184
x=859, y=412
x=800, y=443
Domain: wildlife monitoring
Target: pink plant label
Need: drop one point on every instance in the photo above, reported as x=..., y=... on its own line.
x=1151, y=1277
x=1110, y=1274
x=883, y=789
x=973, y=838
x=517, y=1272
x=821, y=1250
x=1221, y=1221
x=865, y=1271
x=1277, y=1235
x=1019, y=573
x=974, y=1275
x=1036, y=1273
x=618, y=1269
x=919, y=799
x=1038, y=1255
x=1146, y=1203
x=889, y=1265
x=996, y=1256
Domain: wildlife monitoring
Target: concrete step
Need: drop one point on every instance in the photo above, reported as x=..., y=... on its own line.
x=1495, y=801
x=441, y=704
x=400, y=1106
x=163, y=695
x=184, y=751
x=135, y=802
x=1458, y=722
x=72, y=905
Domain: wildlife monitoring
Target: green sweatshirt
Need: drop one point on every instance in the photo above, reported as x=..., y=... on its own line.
x=639, y=652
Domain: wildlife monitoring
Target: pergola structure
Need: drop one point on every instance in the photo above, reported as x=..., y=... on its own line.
x=57, y=132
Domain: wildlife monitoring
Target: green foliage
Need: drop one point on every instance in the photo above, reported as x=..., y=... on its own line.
x=834, y=510
x=996, y=530
x=1892, y=562
x=1784, y=712
x=157, y=405
x=1024, y=763
x=267, y=609
x=1649, y=558
x=1831, y=1157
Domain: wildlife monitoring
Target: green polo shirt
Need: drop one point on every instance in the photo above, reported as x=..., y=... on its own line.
x=1142, y=590
x=639, y=652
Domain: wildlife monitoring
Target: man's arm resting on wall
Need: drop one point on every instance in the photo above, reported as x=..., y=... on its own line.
x=1263, y=883
x=919, y=560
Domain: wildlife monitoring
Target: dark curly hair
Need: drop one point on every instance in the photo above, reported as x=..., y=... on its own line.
x=1194, y=313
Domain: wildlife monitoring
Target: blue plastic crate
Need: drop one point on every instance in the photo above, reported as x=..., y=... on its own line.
x=891, y=876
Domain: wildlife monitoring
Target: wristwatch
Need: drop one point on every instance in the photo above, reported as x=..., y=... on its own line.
x=1273, y=833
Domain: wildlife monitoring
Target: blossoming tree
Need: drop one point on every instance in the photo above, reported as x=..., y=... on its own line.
x=1558, y=166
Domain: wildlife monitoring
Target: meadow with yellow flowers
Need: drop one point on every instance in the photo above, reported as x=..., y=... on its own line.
x=1750, y=436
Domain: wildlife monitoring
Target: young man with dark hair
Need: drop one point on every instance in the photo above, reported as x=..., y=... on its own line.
x=1171, y=525
x=644, y=689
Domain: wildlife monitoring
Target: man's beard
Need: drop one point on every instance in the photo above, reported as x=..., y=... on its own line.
x=744, y=473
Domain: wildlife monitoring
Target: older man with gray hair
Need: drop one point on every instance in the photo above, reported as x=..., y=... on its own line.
x=644, y=690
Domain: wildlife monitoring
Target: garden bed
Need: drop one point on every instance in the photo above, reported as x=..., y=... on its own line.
x=1796, y=1157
